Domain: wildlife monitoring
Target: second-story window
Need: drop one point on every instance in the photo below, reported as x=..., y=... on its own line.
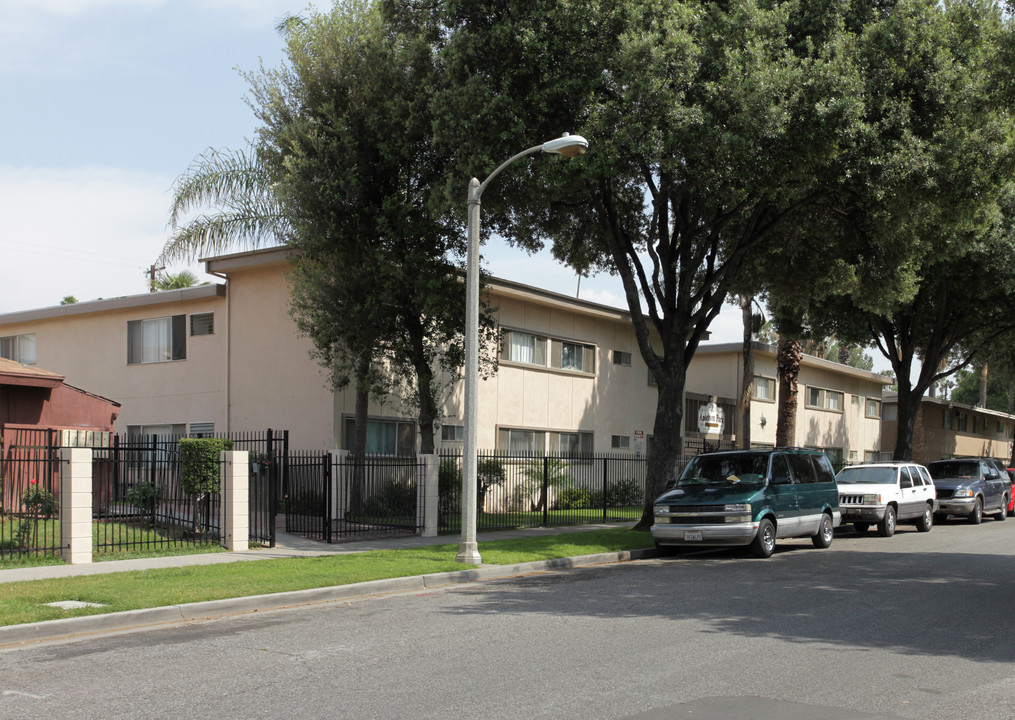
x=155, y=340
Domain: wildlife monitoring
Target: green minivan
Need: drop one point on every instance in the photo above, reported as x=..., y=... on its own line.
x=749, y=497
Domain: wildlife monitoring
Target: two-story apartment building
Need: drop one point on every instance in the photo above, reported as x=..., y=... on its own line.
x=945, y=429
x=227, y=357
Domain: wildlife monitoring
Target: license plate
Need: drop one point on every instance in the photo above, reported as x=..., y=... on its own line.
x=691, y=535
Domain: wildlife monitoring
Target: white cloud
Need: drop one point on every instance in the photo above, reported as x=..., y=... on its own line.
x=89, y=232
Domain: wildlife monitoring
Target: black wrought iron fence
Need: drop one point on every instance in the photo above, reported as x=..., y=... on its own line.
x=139, y=502
x=29, y=510
x=517, y=491
x=333, y=499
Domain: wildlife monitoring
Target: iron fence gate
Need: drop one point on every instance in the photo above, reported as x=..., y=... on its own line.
x=333, y=499
x=516, y=490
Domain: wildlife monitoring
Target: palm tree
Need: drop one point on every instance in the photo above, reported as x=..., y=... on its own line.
x=175, y=281
x=248, y=213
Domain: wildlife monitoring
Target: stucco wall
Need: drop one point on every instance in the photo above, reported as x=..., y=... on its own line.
x=90, y=350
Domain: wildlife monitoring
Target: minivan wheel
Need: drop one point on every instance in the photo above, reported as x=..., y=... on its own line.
x=976, y=517
x=926, y=521
x=763, y=544
x=886, y=528
x=1003, y=512
x=825, y=532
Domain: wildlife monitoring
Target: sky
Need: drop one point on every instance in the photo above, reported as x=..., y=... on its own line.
x=105, y=103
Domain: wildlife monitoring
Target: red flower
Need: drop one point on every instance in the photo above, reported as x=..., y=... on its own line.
x=31, y=482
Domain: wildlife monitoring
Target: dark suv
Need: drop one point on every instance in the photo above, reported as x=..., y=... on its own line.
x=971, y=487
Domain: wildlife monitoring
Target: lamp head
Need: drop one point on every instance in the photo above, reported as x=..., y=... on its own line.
x=567, y=145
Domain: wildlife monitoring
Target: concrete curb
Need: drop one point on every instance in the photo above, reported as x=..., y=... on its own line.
x=91, y=625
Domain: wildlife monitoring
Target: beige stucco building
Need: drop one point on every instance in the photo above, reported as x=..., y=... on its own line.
x=227, y=357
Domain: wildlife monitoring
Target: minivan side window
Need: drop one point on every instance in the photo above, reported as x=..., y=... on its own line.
x=803, y=471
x=907, y=479
x=824, y=467
x=780, y=470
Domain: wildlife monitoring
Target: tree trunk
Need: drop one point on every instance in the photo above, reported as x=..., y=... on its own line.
x=359, y=433
x=747, y=380
x=908, y=406
x=983, y=385
x=788, y=358
x=665, y=461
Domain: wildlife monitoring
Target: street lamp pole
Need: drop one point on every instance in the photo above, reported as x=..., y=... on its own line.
x=468, y=550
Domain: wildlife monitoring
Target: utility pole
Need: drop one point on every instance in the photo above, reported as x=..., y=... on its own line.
x=151, y=276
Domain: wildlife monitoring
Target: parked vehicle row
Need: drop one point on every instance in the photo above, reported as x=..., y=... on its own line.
x=754, y=497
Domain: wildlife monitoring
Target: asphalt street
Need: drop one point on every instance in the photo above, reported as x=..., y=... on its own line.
x=915, y=626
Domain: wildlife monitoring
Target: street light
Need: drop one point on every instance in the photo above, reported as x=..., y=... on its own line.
x=468, y=550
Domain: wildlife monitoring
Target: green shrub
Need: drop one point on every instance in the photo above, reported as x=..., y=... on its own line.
x=624, y=493
x=146, y=496
x=574, y=499
x=304, y=502
x=37, y=501
x=395, y=499
x=199, y=464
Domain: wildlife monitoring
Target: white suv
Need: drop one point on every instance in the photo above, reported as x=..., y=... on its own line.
x=886, y=493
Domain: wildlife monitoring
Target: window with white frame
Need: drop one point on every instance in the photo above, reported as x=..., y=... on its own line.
x=159, y=429
x=524, y=348
x=764, y=388
x=571, y=443
x=824, y=399
x=384, y=437
x=155, y=340
x=19, y=348
x=622, y=358
x=521, y=442
x=530, y=349
x=873, y=408
x=620, y=442
x=453, y=433
x=574, y=356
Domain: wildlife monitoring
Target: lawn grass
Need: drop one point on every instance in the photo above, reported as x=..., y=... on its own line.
x=23, y=602
x=111, y=540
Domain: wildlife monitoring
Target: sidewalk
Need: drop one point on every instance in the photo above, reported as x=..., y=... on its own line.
x=287, y=546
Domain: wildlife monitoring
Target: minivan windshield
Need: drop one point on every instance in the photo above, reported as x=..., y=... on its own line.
x=954, y=469
x=866, y=476
x=725, y=469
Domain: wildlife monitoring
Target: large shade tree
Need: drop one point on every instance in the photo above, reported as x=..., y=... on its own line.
x=346, y=138
x=710, y=126
x=932, y=191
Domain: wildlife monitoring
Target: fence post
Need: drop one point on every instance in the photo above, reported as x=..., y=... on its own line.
x=428, y=496
x=235, y=500
x=76, y=505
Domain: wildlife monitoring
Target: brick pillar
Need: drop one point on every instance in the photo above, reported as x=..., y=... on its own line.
x=76, y=505
x=235, y=500
x=428, y=496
